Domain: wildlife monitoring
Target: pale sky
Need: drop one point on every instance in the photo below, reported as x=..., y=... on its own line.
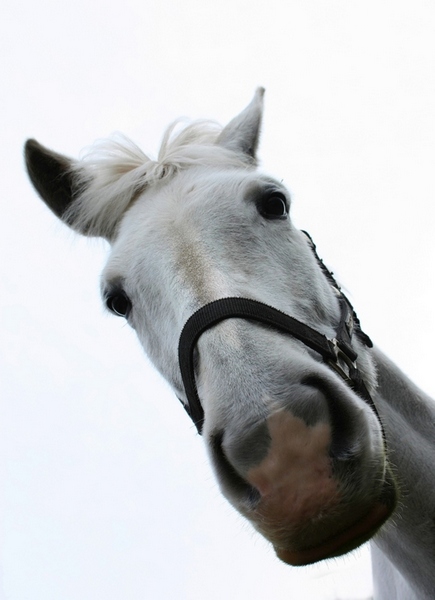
x=107, y=492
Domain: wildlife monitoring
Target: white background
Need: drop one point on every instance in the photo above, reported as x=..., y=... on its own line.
x=106, y=490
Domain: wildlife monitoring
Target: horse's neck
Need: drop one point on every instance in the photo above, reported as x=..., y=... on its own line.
x=404, y=550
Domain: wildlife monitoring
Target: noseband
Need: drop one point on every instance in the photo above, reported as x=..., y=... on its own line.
x=337, y=352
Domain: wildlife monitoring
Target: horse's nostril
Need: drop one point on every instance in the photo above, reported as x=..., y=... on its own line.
x=344, y=423
x=229, y=478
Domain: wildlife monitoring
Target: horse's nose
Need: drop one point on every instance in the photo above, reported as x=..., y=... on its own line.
x=282, y=464
x=289, y=462
x=295, y=478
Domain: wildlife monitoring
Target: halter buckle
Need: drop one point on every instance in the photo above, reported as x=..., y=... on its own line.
x=343, y=362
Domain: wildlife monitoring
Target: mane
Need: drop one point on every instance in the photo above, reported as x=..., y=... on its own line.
x=113, y=172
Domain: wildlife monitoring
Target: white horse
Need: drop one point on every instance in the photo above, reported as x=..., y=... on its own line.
x=314, y=436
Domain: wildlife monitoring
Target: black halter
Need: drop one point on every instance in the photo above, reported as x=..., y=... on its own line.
x=337, y=352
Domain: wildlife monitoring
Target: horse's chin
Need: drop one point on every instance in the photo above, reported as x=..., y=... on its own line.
x=344, y=542
x=349, y=539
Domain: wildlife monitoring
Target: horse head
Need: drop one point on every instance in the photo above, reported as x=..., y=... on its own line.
x=295, y=448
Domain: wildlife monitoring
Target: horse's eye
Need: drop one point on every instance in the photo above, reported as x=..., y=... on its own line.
x=274, y=206
x=119, y=304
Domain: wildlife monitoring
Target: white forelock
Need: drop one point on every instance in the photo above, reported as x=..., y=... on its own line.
x=114, y=171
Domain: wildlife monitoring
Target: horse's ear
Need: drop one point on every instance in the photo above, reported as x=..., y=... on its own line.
x=52, y=177
x=243, y=132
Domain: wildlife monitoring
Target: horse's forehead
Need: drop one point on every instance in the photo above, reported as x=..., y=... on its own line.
x=171, y=218
x=170, y=204
x=200, y=195
x=207, y=185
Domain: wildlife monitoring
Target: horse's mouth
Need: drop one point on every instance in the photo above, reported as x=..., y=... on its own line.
x=349, y=539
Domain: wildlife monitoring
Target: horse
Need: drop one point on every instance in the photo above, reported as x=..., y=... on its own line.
x=313, y=434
